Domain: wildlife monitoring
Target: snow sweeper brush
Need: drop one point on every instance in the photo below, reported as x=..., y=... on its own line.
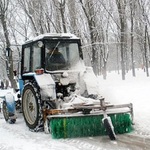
x=91, y=121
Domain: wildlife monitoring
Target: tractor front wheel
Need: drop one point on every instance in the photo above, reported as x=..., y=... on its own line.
x=5, y=111
x=9, y=117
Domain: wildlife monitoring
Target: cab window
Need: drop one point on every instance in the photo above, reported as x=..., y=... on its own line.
x=27, y=56
x=36, y=57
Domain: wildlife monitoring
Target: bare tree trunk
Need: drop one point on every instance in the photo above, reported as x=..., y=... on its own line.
x=73, y=17
x=148, y=38
x=62, y=10
x=145, y=52
x=60, y=19
x=9, y=62
x=118, y=59
x=90, y=14
x=132, y=37
x=121, y=4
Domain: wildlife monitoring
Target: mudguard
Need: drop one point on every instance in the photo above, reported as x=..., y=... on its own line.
x=46, y=84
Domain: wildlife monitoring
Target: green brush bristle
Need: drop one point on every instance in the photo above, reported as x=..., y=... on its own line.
x=122, y=123
x=84, y=126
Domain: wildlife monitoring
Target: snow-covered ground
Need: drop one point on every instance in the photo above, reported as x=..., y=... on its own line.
x=134, y=90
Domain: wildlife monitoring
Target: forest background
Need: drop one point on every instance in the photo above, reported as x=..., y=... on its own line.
x=115, y=34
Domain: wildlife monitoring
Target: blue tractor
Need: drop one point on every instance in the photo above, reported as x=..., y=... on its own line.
x=55, y=85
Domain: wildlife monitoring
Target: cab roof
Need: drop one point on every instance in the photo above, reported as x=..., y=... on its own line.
x=53, y=36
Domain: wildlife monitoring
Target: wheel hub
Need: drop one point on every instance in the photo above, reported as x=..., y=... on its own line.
x=31, y=107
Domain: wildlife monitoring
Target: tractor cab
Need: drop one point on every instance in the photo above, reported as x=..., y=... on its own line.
x=51, y=52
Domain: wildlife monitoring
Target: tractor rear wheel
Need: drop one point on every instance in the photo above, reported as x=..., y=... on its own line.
x=31, y=108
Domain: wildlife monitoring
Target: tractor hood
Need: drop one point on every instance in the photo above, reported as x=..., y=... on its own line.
x=81, y=75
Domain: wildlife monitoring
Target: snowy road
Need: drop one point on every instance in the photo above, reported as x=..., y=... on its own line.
x=18, y=137
x=135, y=90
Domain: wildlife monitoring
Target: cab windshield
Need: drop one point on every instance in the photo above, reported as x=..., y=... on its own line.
x=61, y=55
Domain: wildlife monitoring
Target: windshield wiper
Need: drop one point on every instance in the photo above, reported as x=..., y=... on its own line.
x=54, y=49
